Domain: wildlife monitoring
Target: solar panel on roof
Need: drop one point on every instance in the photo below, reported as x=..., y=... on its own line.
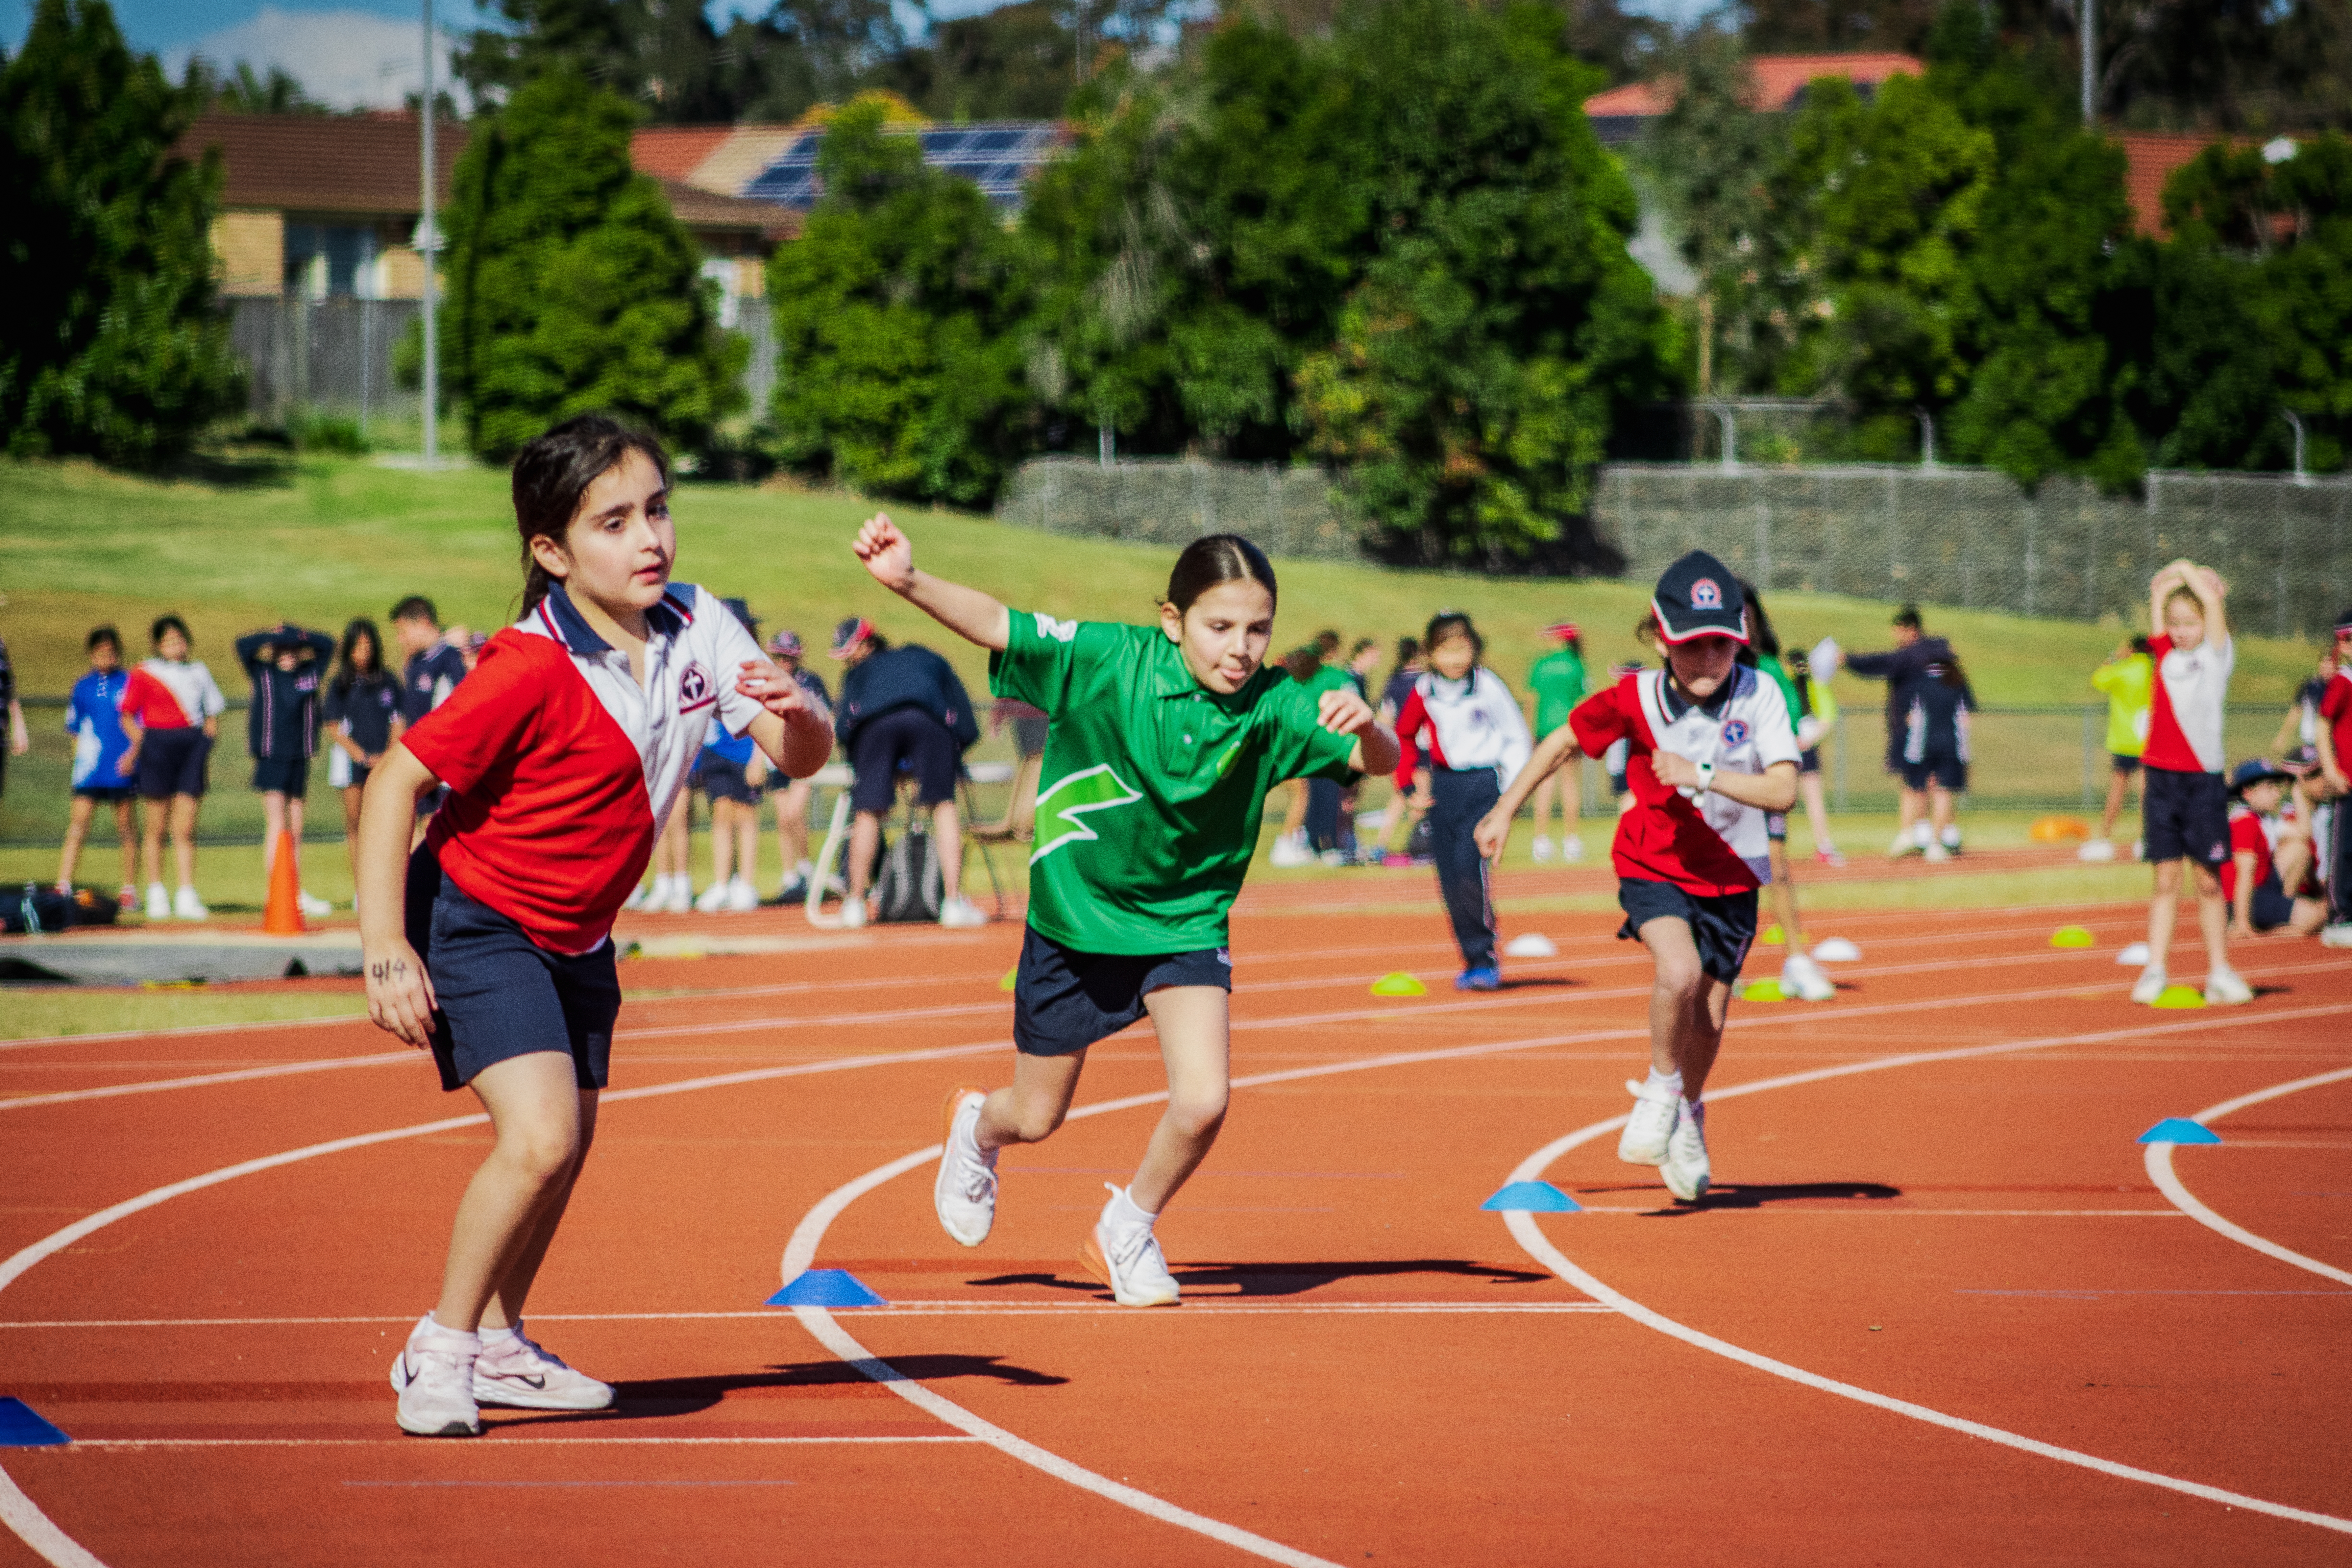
x=997, y=157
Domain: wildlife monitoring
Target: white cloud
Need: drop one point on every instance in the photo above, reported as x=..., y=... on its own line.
x=352, y=59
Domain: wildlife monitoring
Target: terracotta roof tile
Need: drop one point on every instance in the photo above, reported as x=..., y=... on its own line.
x=304, y=162
x=671, y=152
x=2151, y=159
x=1778, y=80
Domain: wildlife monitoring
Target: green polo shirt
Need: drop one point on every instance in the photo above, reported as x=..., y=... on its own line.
x=1558, y=682
x=1148, y=803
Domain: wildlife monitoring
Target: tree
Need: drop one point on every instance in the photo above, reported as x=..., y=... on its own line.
x=244, y=90
x=897, y=316
x=1782, y=26
x=573, y=289
x=110, y=342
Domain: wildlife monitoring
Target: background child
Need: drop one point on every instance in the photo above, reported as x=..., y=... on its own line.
x=363, y=720
x=2333, y=741
x=730, y=774
x=793, y=796
x=1555, y=686
x=20, y=737
x=1901, y=668
x=1817, y=716
x=2185, y=801
x=1404, y=807
x=1477, y=742
x=1799, y=977
x=434, y=664
x=106, y=759
x=177, y=705
x=1935, y=749
x=2262, y=878
x=285, y=665
x=2126, y=677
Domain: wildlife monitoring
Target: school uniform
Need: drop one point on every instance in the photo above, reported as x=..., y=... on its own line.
x=1147, y=804
x=8, y=695
x=362, y=709
x=904, y=707
x=94, y=720
x=1936, y=730
x=1324, y=823
x=1697, y=858
x=561, y=769
x=1902, y=668
x=723, y=771
x=2255, y=834
x=2335, y=711
x=2127, y=683
x=2185, y=803
x=282, y=729
x=171, y=702
x=1477, y=742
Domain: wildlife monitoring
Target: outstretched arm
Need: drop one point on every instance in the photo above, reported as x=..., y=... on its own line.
x=2210, y=590
x=2159, y=589
x=1494, y=831
x=975, y=616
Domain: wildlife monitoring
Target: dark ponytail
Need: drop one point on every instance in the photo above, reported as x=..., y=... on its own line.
x=555, y=472
x=1213, y=561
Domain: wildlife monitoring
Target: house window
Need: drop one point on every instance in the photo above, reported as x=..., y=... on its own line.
x=325, y=260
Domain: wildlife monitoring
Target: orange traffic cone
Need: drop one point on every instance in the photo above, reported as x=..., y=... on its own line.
x=284, y=915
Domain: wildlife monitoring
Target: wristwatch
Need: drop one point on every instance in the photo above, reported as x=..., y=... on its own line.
x=1705, y=776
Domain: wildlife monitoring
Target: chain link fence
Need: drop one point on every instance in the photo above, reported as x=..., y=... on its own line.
x=1169, y=501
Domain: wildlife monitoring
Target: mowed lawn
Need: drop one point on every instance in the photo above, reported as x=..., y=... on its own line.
x=317, y=540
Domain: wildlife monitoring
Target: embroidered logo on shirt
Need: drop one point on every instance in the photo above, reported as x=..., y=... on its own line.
x=1060, y=808
x=1060, y=631
x=1706, y=595
x=694, y=686
x=1735, y=731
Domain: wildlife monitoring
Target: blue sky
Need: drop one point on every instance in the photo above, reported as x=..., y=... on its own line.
x=358, y=52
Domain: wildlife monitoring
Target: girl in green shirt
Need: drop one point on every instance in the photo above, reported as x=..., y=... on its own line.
x=2127, y=680
x=1162, y=744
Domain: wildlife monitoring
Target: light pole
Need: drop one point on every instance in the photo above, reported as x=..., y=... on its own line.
x=2090, y=63
x=428, y=239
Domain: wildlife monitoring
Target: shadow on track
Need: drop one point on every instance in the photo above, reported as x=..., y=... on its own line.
x=1756, y=1194
x=1249, y=1279
x=656, y=1397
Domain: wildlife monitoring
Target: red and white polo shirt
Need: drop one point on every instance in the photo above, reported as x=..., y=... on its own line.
x=561, y=768
x=1707, y=844
x=2184, y=715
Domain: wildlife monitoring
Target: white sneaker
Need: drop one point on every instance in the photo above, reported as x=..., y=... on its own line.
x=1802, y=978
x=2226, y=988
x=313, y=906
x=2151, y=985
x=853, y=914
x=715, y=898
x=1921, y=831
x=1572, y=848
x=1542, y=849
x=959, y=913
x=1291, y=852
x=517, y=1372
x=1951, y=838
x=1685, y=1168
x=1902, y=847
x=186, y=906
x=742, y=899
x=159, y=902
x=2337, y=935
x=1649, y=1128
x=433, y=1376
x=638, y=898
x=964, y=1192
x=1936, y=855
x=2095, y=850
x=1128, y=1259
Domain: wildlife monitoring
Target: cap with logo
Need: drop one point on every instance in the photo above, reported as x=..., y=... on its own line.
x=1563, y=631
x=1697, y=597
x=786, y=645
x=856, y=630
x=2261, y=770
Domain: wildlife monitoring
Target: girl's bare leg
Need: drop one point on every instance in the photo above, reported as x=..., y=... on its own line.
x=184, y=837
x=78, y=817
x=722, y=841
x=2115, y=806
x=353, y=795
x=126, y=831
x=1817, y=811
x=273, y=823
x=2161, y=911
x=1687, y=1005
x=2212, y=917
x=158, y=812
x=1193, y=1024
x=1030, y=1111
x=1541, y=802
x=542, y=1120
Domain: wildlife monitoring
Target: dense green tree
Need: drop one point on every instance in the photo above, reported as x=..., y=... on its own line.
x=110, y=342
x=571, y=289
x=896, y=314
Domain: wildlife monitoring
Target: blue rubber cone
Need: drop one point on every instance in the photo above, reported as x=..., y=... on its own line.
x=2180, y=1129
x=21, y=1426
x=1532, y=1197
x=827, y=1288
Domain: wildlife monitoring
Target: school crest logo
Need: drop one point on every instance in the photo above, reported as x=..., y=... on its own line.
x=694, y=687
x=1063, y=808
x=1735, y=731
x=1706, y=594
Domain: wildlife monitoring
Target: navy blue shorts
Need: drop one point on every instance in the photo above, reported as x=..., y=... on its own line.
x=2271, y=905
x=1065, y=1000
x=1723, y=924
x=106, y=794
x=1943, y=772
x=2185, y=817
x=905, y=737
x=1809, y=761
x=171, y=762
x=721, y=778
x=499, y=994
x=282, y=775
x=2123, y=764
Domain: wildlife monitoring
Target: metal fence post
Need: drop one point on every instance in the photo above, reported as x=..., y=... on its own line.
x=2090, y=752
x=1841, y=739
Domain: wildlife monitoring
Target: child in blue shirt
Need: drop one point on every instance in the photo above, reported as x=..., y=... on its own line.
x=106, y=759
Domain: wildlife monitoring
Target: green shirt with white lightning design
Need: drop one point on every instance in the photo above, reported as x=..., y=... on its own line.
x=1147, y=805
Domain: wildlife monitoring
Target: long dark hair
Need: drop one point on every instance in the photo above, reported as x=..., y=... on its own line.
x=1213, y=560
x=1764, y=642
x=347, y=669
x=555, y=472
x=1453, y=624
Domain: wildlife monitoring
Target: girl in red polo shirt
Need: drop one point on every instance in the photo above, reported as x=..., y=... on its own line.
x=491, y=945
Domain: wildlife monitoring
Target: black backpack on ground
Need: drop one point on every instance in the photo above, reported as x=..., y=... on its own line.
x=909, y=888
x=38, y=908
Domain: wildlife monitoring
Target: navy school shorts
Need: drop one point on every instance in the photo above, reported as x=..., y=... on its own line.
x=171, y=762
x=282, y=775
x=2272, y=908
x=1943, y=772
x=899, y=738
x=723, y=778
x=2123, y=764
x=2185, y=817
x=1723, y=924
x=1065, y=1000
x=499, y=994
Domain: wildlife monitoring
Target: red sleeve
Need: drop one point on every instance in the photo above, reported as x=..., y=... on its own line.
x=2246, y=833
x=2336, y=701
x=1410, y=724
x=1600, y=720
x=486, y=719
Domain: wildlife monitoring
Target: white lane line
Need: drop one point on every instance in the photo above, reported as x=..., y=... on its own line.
x=38, y=1531
x=1530, y=1236
x=2159, y=1171
x=1212, y=1304
x=410, y=1443
x=1868, y=1208
x=155, y=1086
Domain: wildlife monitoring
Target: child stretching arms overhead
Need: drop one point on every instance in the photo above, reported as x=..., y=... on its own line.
x=1163, y=742
x=491, y=944
x=1712, y=751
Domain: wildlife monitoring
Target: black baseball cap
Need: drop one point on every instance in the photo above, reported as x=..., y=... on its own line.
x=2262, y=770
x=2344, y=622
x=852, y=631
x=742, y=613
x=1700, y=597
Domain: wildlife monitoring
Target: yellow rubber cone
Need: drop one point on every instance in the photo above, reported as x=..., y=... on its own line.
x=2180, y=996
x=1764, y=991
x=1399, y=984
x=1011, y=975
x=2071, y=936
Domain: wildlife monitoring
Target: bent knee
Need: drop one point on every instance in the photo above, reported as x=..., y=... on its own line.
x=1197, y=1115
x=1033, y=1124
x=546, y=1156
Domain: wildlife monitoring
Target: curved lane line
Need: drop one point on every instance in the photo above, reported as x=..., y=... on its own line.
x=2160, y=1172
x=1530, y=1236
x=155, y=1085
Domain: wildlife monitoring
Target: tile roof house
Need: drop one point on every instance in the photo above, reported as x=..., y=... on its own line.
x=1623, y=114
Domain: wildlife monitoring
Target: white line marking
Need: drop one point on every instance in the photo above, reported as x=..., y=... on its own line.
x=1215, y=1304
x=156, y=1085
x=410, y=1443
x=1531, y=1237
x=2159, y=1171
x=1865, y=1207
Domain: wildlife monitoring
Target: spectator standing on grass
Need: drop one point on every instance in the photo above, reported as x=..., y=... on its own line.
x=1801, y=976
x=1555, y=686
x=1903, y=668
x=2332, y=739
x=1330, y=825
x=287, y=666
x=2126, y=678
x=902, y=707
x=175, y=701
x=1817, y=716
x=106, y=759
x=731, y=775
x=20, y=739
x=434, y=665
x=1404, y=813
x=794, y=797
x=362, y=711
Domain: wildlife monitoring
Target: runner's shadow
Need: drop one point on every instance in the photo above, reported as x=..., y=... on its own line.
x=647, y=1398
x=1249, y=1279
x=1756, y=1194
x=1542, y=982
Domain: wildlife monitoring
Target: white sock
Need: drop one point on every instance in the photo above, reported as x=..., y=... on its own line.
x=805, y=868
x=491, y=1337
x=1697, y=1110
x=1661, y=1085
x=431, y=1325
x=1125, y=1213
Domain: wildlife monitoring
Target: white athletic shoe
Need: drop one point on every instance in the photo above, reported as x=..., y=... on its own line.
x=742, y=899
x=1921, y=831
x=433, y=1376
x=960, y=913
x=1951, y=838
x=1685, y=1168
x=1542, y=849
x=518, y=1373
x=964, y=1192
x=2151, y=985
x=1571, y=848
x=1936, y=855
x=638, y=898
x=1649, y=1128
x=1128, y=1259
x=1802, y=978
x=853, y=914
x=2337, y=935
x=159, y=902
x=313, y=906
x=2226, y=988
x=2095, y=850
x=715, y=898
x=186, y=906
x=1901, y=847
x=1291, y=852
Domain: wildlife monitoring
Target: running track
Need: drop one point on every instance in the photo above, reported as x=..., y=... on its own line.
x=1941, y=1305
